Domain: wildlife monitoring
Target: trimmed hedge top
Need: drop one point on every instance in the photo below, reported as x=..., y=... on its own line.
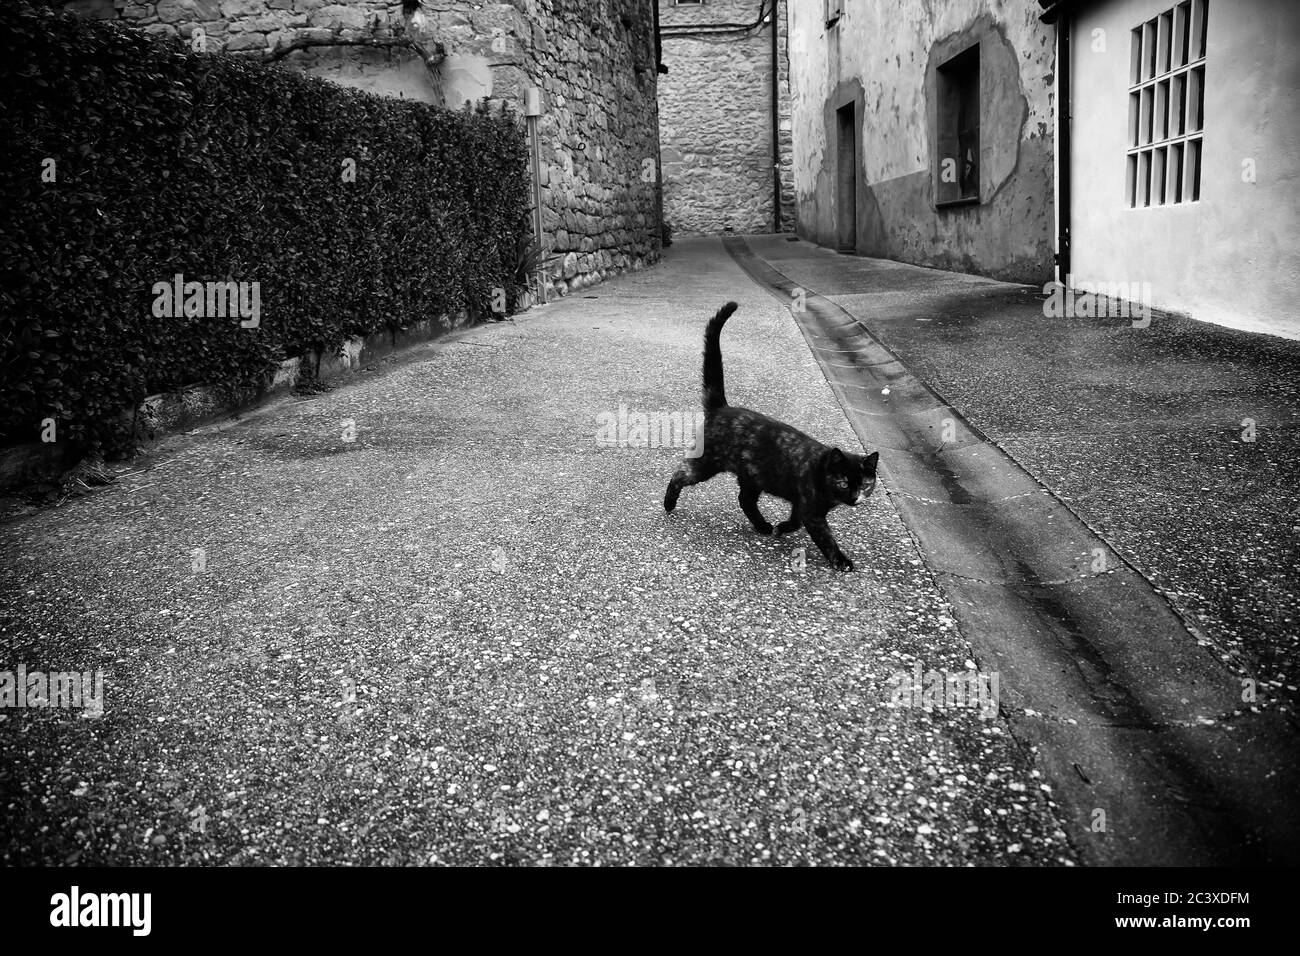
x=130, y=160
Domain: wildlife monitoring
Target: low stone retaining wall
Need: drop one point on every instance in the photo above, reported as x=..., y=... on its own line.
x=171, y=413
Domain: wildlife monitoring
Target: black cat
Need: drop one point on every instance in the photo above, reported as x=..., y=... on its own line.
x=770, y=456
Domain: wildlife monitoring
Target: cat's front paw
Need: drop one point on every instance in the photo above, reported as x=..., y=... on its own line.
x=842, y=563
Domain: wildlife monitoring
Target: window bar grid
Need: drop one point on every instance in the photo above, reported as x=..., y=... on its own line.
x=1166, y=109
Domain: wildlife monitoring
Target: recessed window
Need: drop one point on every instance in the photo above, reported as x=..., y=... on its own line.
x=1166, y=107
x=958, y=133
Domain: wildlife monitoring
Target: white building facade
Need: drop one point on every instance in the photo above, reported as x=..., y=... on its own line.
x=1184, y=155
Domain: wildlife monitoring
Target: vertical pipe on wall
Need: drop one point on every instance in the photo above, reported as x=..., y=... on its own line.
x=1063, y=123
x=659, y=156
x=533, y=113
x=659, y=40
x=776, y=126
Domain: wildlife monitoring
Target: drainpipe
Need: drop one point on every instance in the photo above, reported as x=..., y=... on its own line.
x=660, y=69
x=776, y=126
x=533, y=113
x=1063, y=125
x=659, y=41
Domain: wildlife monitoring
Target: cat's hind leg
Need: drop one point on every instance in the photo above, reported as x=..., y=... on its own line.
x=690, y=472
x=793, y=523
x=749, y=504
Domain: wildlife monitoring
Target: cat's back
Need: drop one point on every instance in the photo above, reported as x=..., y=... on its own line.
x=732, y=431
x=746, y=418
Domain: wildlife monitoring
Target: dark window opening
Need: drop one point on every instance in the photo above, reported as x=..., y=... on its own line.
x=846, y=186
x=958, y=135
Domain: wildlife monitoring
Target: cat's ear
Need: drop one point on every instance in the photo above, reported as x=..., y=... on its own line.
x=831, y=461
x=869, y=463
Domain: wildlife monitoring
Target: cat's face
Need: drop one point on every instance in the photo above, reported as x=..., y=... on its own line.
x=850, y=479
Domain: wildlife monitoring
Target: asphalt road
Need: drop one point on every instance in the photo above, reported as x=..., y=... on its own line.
x=461, y=629
x=1158, y=750
x=1178, y=442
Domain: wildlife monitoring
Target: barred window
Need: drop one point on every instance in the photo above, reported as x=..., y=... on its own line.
x=1166, y=107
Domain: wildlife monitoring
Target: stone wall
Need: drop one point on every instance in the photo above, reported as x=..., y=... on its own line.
x=599, y=133
x=593, y=61
x=715, y=117
x=262, y=26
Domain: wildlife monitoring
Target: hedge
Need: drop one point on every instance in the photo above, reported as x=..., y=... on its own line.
x=168, y=162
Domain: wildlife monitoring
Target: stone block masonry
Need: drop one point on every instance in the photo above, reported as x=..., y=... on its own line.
x=715, y=115
x=592, y=60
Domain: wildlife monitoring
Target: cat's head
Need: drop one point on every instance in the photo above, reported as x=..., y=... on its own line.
x=849, y=478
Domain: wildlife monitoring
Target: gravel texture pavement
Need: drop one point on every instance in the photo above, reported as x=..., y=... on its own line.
x=427, y=617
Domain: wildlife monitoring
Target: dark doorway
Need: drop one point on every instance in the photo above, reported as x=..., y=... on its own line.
x=846, y=179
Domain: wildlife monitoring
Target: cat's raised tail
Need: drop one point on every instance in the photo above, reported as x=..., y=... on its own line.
x=715, y=394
